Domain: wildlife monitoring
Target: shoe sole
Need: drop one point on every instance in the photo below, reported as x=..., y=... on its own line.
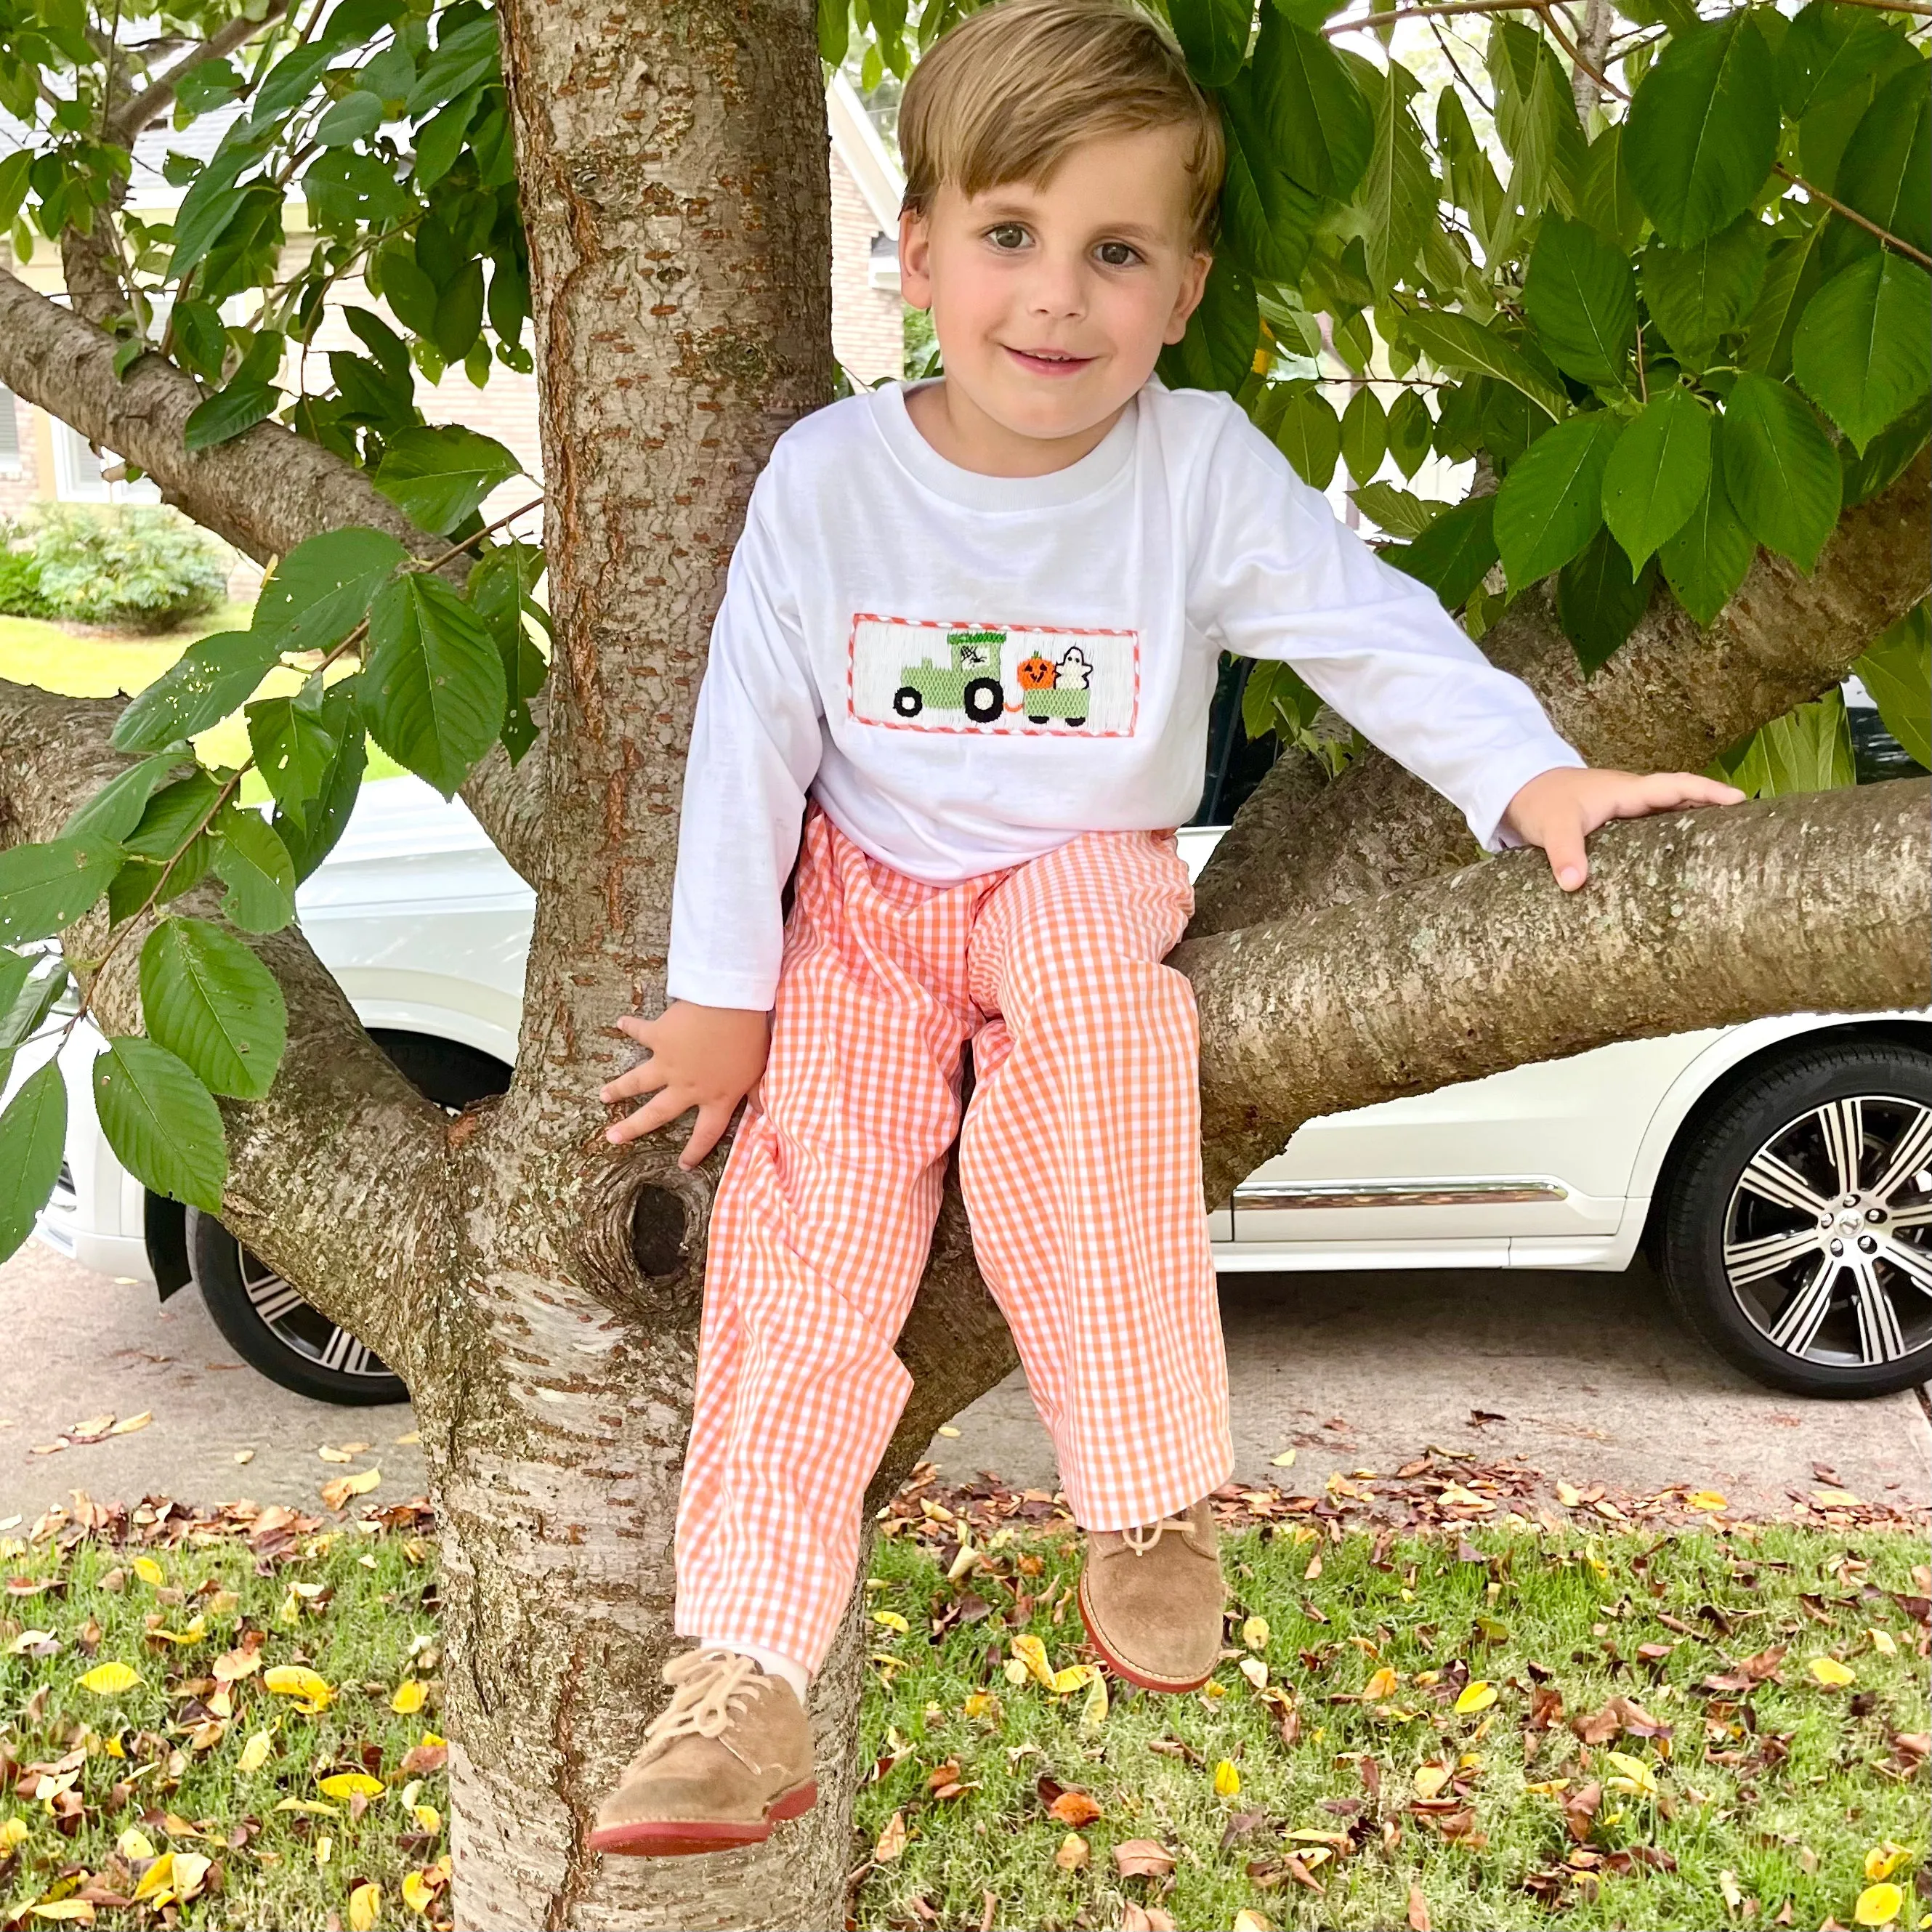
x=683, y=1837
x=1143, y=1679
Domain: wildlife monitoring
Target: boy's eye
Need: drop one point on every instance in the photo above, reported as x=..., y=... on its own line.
x=1010, y=229
x=1128, y=254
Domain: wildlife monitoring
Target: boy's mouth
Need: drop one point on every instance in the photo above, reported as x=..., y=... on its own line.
x=1048, y=361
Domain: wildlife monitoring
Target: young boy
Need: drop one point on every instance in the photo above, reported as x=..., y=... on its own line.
x=969, y=637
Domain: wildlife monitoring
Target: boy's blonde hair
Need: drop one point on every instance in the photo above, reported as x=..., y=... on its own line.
x=1006, y=94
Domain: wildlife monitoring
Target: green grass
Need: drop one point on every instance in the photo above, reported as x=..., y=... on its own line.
x=80, y=665
x=1791, y=1819
x=1778, y=1798
x=159, y=1759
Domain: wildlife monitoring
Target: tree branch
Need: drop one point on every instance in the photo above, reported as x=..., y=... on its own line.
x=1672, y=698
x=142, y=110
x=1816, y=902
x=264, y=492
x=336, y=1178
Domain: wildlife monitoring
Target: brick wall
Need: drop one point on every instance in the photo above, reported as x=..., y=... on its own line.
x=867, y=335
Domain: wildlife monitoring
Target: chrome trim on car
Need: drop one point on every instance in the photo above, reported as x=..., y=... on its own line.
x=1257, y=1196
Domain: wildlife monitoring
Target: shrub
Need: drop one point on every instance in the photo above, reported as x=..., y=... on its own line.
x=128, y=567
x=20, y=594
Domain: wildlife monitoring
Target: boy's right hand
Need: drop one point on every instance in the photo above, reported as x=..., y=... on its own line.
x=709, y=1058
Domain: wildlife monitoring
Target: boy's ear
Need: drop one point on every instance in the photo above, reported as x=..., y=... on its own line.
x=1193, y=285
x=915, y=259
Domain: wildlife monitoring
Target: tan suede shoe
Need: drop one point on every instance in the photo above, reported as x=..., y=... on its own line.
x=1152, y=1597
x=724, y=1761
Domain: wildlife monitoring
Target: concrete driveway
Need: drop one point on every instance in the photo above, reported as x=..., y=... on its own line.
x=1584, y=1377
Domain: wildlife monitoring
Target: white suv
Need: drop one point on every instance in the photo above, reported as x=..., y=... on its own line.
x=1779, y=1173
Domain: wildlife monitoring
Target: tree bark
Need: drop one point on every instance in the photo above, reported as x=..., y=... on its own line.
x=1671, y=699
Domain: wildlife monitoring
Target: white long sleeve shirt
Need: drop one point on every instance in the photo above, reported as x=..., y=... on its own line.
x=967, y=670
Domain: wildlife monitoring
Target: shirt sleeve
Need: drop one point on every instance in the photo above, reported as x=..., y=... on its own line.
x=755, y=745
x=1277, y=574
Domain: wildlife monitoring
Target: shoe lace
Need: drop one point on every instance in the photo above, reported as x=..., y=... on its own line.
x=1140, y=1538
x=712, y=1687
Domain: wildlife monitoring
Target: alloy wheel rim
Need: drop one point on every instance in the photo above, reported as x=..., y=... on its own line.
x=1828, y=1234
x=303, y=1329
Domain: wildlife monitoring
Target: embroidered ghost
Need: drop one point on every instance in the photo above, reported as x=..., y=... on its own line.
x=1075, y=672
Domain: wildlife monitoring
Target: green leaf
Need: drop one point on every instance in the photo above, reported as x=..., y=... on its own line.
x=1896, y=671
x=464, y=55
x=322, y=588
x=1267, y=221
x=354, y=117
x=1396, y=511
x=16, y=968
x=1780, y=471
x=226, y=415
x=1398, y=193
x=292, y=747
x=1364, y=434
x=44, y=887
x=1886, y=173
x=1308, y=433
x=1701, y=133
x=1808, y=749
x=210, y=679
x=33, y=1138
x=1410, y=430
x=1321, y=128
x=1470, y=182
x=209, y=1000
x=115, y=809
x=437, y=477
x=1885, y=456
x=1696, y=294
x=1598, y=601
x=459, y=312
x=440, y=140
x=1605, y=198
x=432, y=689
x=1455, y=553
x=1536, y=118
x=22, y=1010
x=391, y=353
x=327, y=814
x=1213, y=34
x=1706, y=560
x=1795, y=273
x=1550, y=504
x=255, y=865
x=1657, y=474
x=1581, y=297
x=214, y=199
x=14, y=170
x=1218, y=351
x=1828, y=48
x=499, y=589
x=161, y=1122
x=1863, y=352
x=1457, y=342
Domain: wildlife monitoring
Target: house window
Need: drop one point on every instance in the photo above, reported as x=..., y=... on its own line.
x=77, y=473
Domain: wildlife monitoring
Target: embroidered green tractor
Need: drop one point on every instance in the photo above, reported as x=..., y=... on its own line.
x=970, y=682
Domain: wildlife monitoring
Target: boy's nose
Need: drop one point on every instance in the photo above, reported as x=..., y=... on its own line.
x=1058, y=288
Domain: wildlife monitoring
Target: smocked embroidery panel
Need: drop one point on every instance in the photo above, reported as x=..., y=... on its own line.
x=992, y=679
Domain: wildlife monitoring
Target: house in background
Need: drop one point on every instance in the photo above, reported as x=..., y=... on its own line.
x=41, y=457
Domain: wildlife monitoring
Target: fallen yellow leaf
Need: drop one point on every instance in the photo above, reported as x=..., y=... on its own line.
x=190, y=1868
x=347, y=1784
x=1568, y=1497
x=1430, y=1778
x=324, y=1849
x=1829, y=1670
x=1255, y=1633
x=1478, y=1694
x=78, y=1910
x=977, y=1704
x=254, y=1754
x=1227, y=1779
x=1285, y=1460
x=129, y=1424
x=1031, y=1654
x=148, y=1570
x=892, y=1839
x=294, y=1680
x=195, y=1632
x=417, y=1893
x=1381, y=1685
x=1093, y=1711
x=427, y=1817
x=1881, y=1860
x=891, y=1620
x=1248, y=1920
x=1073, y=1853
x=13, y=1831
x=309, y=1808
x=1883, y=1642
x=365, y=1904
x=1708, y=1499
x=411, y=1695
x=109, y=1680
x=1879, y=1905
x=337, y=1492
x=1634, y=1775
x=158, y=1878
x=1071, y=1678
x=245, y=1455
x=135, y=1843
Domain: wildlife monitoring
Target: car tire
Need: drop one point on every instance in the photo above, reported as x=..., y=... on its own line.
x=1796, y=1235
x=983, y=700
x=263, y=1320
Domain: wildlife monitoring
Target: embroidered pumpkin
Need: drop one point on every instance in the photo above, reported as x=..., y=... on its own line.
x=1036, y=674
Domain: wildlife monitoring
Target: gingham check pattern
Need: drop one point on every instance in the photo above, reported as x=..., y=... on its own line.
x=1080, y=1162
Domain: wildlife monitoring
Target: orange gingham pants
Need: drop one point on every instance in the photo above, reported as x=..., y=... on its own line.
x=1080, y=1162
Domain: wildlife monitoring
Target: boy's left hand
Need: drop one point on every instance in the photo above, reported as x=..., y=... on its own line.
x=1558, y=809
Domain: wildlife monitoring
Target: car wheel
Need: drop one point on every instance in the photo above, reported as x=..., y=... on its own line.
x=983, y=700
x=265, y=1322
x=906, y=702
x=1797, y=1235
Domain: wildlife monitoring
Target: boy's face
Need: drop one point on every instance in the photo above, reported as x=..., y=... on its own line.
x=1050, y=304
